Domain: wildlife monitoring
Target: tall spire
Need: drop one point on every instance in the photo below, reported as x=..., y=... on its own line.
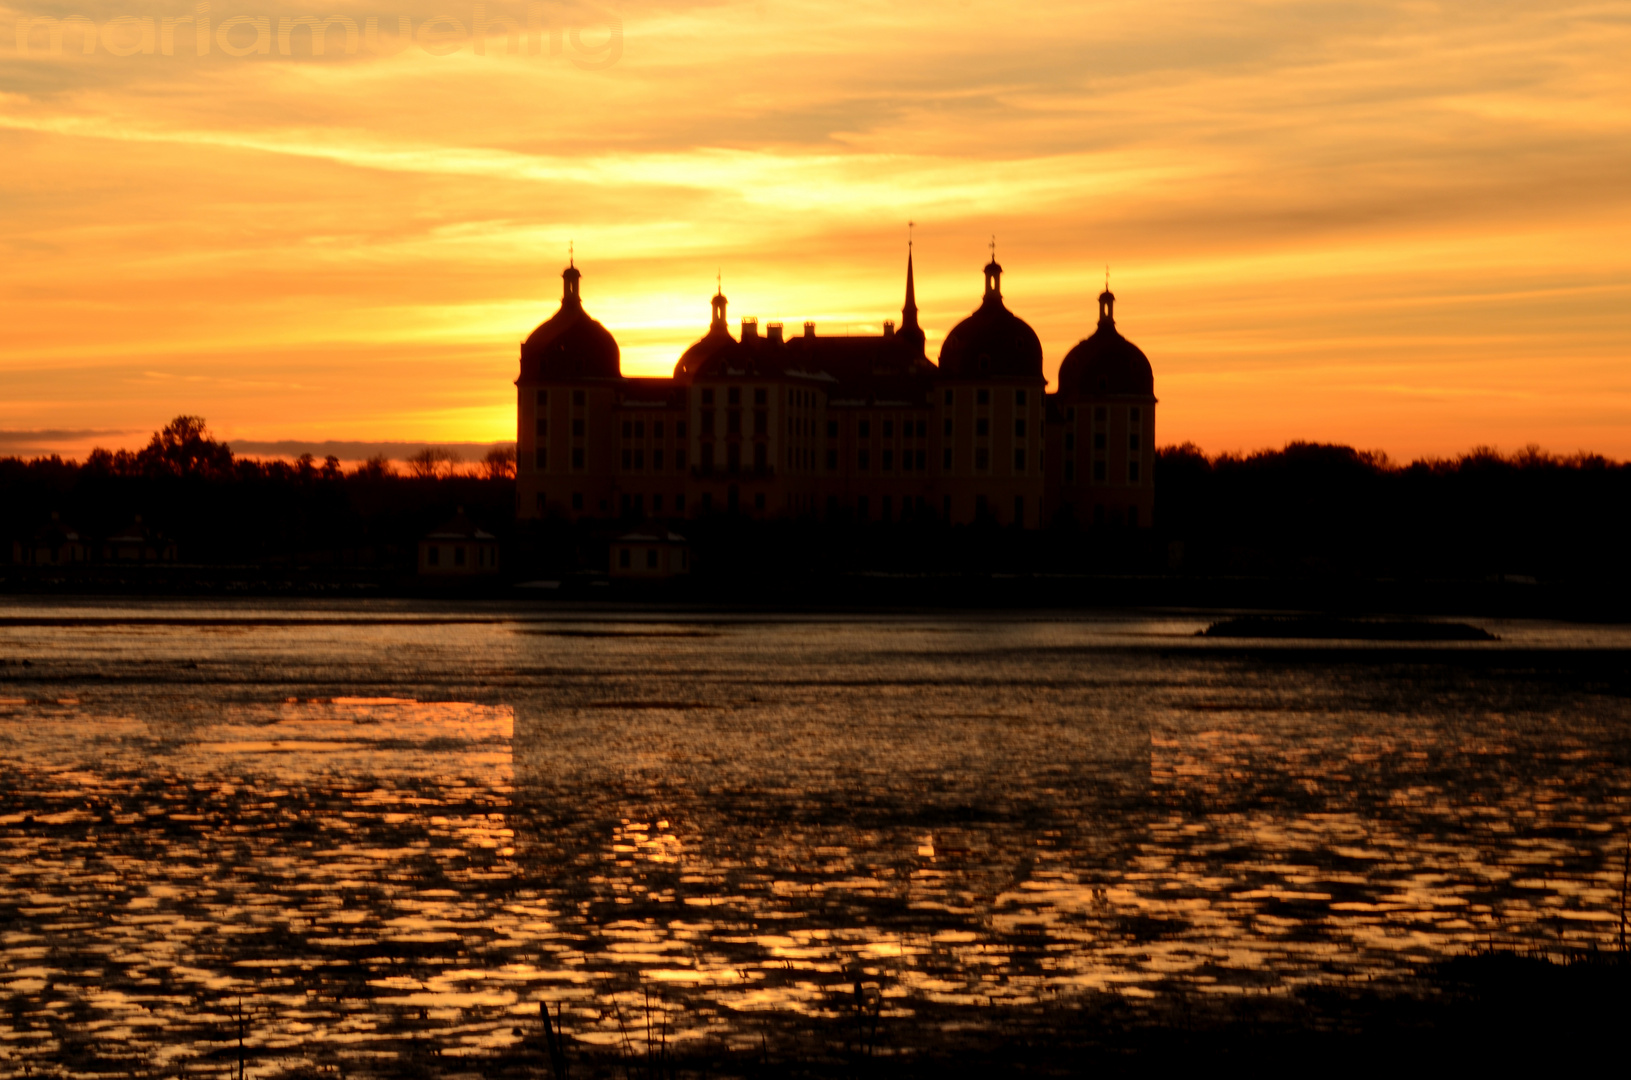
x=993, y=276
x=908, y=313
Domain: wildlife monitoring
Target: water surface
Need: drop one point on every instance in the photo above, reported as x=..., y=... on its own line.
x=386, y=831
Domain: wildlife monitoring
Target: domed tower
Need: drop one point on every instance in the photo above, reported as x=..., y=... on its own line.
x=570, y=372
x=716, y=344
x=990, y=396
x=1106, y=403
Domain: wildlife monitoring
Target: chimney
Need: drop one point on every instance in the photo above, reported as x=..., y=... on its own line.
x=750, y=329
x=773, y=331
x=809, y=329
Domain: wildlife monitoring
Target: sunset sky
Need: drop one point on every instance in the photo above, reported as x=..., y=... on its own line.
x=1405, y=226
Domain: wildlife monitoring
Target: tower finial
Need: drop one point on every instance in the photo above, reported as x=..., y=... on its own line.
x=909, y=226
x=993, y=247
x=571, y=254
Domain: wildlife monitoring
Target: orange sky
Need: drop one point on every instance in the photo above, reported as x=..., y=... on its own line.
x=1405, y=226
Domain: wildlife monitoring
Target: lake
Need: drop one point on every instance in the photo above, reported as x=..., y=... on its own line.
x=362, y=833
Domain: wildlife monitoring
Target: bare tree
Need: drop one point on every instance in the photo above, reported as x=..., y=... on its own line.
x=499, y=464
x=432, y=462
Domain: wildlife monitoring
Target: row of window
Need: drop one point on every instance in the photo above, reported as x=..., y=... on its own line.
x=1099, y=472
x=1134, y=442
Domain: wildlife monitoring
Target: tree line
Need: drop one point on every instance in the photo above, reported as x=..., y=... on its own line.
x=1307, y=509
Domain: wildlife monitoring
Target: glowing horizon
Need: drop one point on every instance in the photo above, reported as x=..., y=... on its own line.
x=1400, y=226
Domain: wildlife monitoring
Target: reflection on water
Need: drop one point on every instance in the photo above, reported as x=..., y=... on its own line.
x=389, y=834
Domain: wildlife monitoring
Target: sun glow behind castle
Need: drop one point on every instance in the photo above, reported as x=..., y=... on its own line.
x=594, y=43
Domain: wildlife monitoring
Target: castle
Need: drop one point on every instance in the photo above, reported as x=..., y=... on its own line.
x=854, y=427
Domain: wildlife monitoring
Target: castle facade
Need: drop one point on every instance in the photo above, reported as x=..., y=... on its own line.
x=856, y=427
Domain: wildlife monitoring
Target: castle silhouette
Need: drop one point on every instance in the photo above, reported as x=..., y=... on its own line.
x=857, y=427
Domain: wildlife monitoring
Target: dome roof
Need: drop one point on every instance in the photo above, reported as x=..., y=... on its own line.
x=570, y=345
x=716, y=343
x=993, y=341
x=1106, y=362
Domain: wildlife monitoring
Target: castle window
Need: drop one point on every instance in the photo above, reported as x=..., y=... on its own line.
x=923, y=429
x=679, y=429
x=863, y=460
x=733, y=396
x=1098, y=440
x=577, y=458
x=707, y=457
x=888, y=460
x=639, y=429
x=982, y=427
x=656, y=504
x=761, y=422
x=623, y=557
x=540, y=458
x=627, y=458
x=1070, y=440
x=733, y=457
x=1098, y=415
x=886, y=510
x=1019, y=461
x=707, y=421
x=1070, y=413
x=948, y=427
x=832, y=460
x=864, y=429
x=1098, y=472
x=832, y=429
x=921, y=457
x=1070, y=472
x=433, y=556
x=888, y=429
x=982, y=458
x=1132, y=472
x=628, y=429
x=733, y=421
x=982, y=397
x=657, y=460
x=577, y=428
x=639, y=459
x=1132, y=441
x=951, y=397
x=707, y=501
x=458, y=555
x=945, y=462
x=708, y=396
x=577, y=500
x=651, y=558
x=1019, y=429
x=543, y=399
x=760, y=458
x=1133, y=416
x=759, y=500
x=657, y=430
x=679, y=503
x=542, y=502
x=679, y=459
x=577, y=398
x=759, y=395
x=542, y=426
x=1019, y=397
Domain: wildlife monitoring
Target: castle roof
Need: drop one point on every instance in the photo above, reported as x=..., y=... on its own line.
x=570, y=345
x=993, y=341
x=1106, y=362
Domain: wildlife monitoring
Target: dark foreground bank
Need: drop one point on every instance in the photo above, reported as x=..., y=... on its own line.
x=1498, y=1013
